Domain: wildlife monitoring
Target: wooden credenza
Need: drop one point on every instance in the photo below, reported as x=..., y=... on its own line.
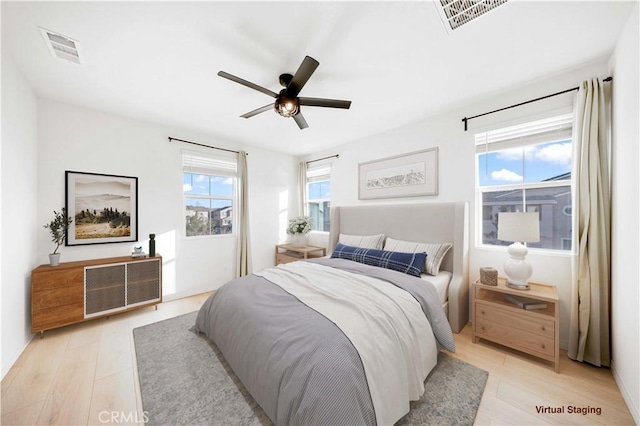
x=74, y=292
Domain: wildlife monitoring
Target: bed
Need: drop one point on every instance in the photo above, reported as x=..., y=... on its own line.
x=334, y=341
x=427, y=223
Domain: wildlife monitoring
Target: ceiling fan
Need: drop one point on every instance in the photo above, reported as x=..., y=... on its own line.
x=287, y=103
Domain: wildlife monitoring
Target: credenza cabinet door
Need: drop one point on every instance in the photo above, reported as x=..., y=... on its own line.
x=104, y=289
x=143, y=281
x=111, y=288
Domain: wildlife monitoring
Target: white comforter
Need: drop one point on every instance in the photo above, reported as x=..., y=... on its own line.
x=385, y=324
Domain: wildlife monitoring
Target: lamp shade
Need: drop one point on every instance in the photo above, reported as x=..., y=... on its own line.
x=519, y=227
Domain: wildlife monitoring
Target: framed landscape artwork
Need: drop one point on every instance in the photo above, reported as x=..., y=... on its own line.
x=104, y=208
x=407, y=175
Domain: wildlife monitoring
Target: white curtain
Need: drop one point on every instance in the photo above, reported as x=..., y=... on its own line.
x=302, y=188
x=243, y=259
x=589, y=337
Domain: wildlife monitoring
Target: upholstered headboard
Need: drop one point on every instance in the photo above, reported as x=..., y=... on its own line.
x=425, y=223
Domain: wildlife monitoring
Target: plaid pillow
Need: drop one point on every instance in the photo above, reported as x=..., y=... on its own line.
x=409, y=263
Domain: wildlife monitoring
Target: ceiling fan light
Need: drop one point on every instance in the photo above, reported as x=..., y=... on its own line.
x=287, y=107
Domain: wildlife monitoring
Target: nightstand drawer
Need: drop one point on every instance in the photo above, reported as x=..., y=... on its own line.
x=514, y=338
x=539, y=326
x=283, y=258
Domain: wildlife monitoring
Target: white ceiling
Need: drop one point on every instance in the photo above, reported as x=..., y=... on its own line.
x=157, y=61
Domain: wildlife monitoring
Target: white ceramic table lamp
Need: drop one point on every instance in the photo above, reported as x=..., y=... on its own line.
x=518, y=228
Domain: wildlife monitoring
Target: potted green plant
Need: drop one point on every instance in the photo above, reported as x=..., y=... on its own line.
x=58, y=228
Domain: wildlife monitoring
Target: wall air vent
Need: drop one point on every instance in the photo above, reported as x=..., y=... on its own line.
x=62, y=47
x=456, y=13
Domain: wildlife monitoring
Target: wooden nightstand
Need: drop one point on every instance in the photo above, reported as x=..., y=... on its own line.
x=286, y=253
x=535, y=331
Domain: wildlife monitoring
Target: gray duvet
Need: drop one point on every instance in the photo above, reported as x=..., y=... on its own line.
x=298, y=365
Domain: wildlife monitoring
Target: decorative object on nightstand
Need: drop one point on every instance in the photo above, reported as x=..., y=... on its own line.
x=518, y=228
x=489, y=276
x=530, y=324
x=299, y=229
x=525, y=303
x=58, y=228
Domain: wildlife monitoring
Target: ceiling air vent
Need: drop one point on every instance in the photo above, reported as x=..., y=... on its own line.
x=62, y=47
x=456, y=13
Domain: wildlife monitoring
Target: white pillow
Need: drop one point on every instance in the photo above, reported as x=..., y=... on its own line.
x=435, y=252
x=362, y=241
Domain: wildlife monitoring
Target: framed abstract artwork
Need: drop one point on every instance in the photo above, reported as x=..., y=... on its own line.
x=408, y=175
x=104, y=208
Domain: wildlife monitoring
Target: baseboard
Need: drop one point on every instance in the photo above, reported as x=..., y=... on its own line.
x=191, y=292
x=6, y=366
x=564, y=345
x=631, y=404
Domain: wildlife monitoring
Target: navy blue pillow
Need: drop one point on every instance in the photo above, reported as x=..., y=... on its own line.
x=409, y=263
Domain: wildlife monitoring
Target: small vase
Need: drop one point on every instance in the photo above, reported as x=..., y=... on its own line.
x=299, y=240
x=152, y=245
x=54, y=259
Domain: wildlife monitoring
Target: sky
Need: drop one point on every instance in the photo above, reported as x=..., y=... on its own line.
x=541, y=162
x=195, y=184
x=319, y=190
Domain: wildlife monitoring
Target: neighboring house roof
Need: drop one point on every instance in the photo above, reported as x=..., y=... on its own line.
x=564, y=176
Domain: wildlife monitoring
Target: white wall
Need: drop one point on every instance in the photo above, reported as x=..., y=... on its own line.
x=19, y=225
x=78, y=139
x=625, y=274
x=273, y=180
x=457, y=166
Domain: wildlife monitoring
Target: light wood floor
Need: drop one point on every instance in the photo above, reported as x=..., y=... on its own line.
x=86, y=374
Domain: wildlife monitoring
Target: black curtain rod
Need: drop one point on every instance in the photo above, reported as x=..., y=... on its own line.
x=206, y=146
x=466, y=119
x=325, y=158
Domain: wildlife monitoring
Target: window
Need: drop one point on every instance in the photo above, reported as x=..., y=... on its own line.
x=208, y=186
x=318, y=195
x=527, y=168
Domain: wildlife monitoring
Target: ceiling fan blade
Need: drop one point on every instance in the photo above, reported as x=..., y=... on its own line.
x=300, y=121
x=257, y=111
x=247, y=83
x=300, y=78
x=320, y=102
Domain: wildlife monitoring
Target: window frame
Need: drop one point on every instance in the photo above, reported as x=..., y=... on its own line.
x=211, y=172
x=535, y=139
x=313, y=177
